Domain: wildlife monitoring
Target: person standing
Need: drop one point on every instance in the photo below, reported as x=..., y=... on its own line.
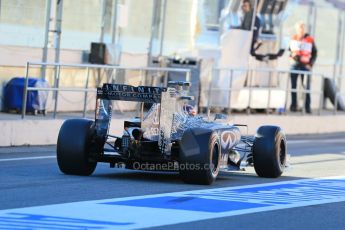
x=246, y=24
x=248, y=12
x=303, y=55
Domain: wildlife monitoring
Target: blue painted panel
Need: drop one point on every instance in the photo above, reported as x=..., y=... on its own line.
x=234, y=199
x=189, y=203
x=32, y=221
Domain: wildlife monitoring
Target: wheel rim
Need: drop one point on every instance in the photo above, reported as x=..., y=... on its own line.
x=282, y=154
x=215, y=158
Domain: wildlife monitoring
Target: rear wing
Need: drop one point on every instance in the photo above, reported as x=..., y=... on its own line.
x=120, y=92
x=158, y=124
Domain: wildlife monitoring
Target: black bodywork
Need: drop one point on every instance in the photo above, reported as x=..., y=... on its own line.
x=168, y=136
x=155, y=136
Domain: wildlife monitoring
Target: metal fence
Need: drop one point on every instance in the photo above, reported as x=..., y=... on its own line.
x=144, y=72
x=223, y=81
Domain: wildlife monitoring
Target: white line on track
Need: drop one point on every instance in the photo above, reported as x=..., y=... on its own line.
x=27, y=158
x=316, y=141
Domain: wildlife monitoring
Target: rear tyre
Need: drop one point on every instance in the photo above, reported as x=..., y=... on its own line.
x=200, y=155
x=269, y=152
x=73, y=147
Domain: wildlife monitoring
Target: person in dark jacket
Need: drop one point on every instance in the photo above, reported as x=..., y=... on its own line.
x=247, y=15
x=246, y=24
x=303, y=56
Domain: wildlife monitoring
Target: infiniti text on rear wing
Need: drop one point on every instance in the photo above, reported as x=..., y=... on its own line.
x=122, y=92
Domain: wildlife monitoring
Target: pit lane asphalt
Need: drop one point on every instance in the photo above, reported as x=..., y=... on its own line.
x=37, y=181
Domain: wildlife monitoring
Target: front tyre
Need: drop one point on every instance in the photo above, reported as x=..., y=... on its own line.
x=269, y=152
x=73, y=147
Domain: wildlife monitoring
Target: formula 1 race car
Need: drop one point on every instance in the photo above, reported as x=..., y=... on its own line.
x=168, y=136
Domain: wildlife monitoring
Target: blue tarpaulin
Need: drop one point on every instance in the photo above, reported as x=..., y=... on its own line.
x=13, y=95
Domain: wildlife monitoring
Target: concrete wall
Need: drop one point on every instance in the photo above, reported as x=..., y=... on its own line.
x=45, y=132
